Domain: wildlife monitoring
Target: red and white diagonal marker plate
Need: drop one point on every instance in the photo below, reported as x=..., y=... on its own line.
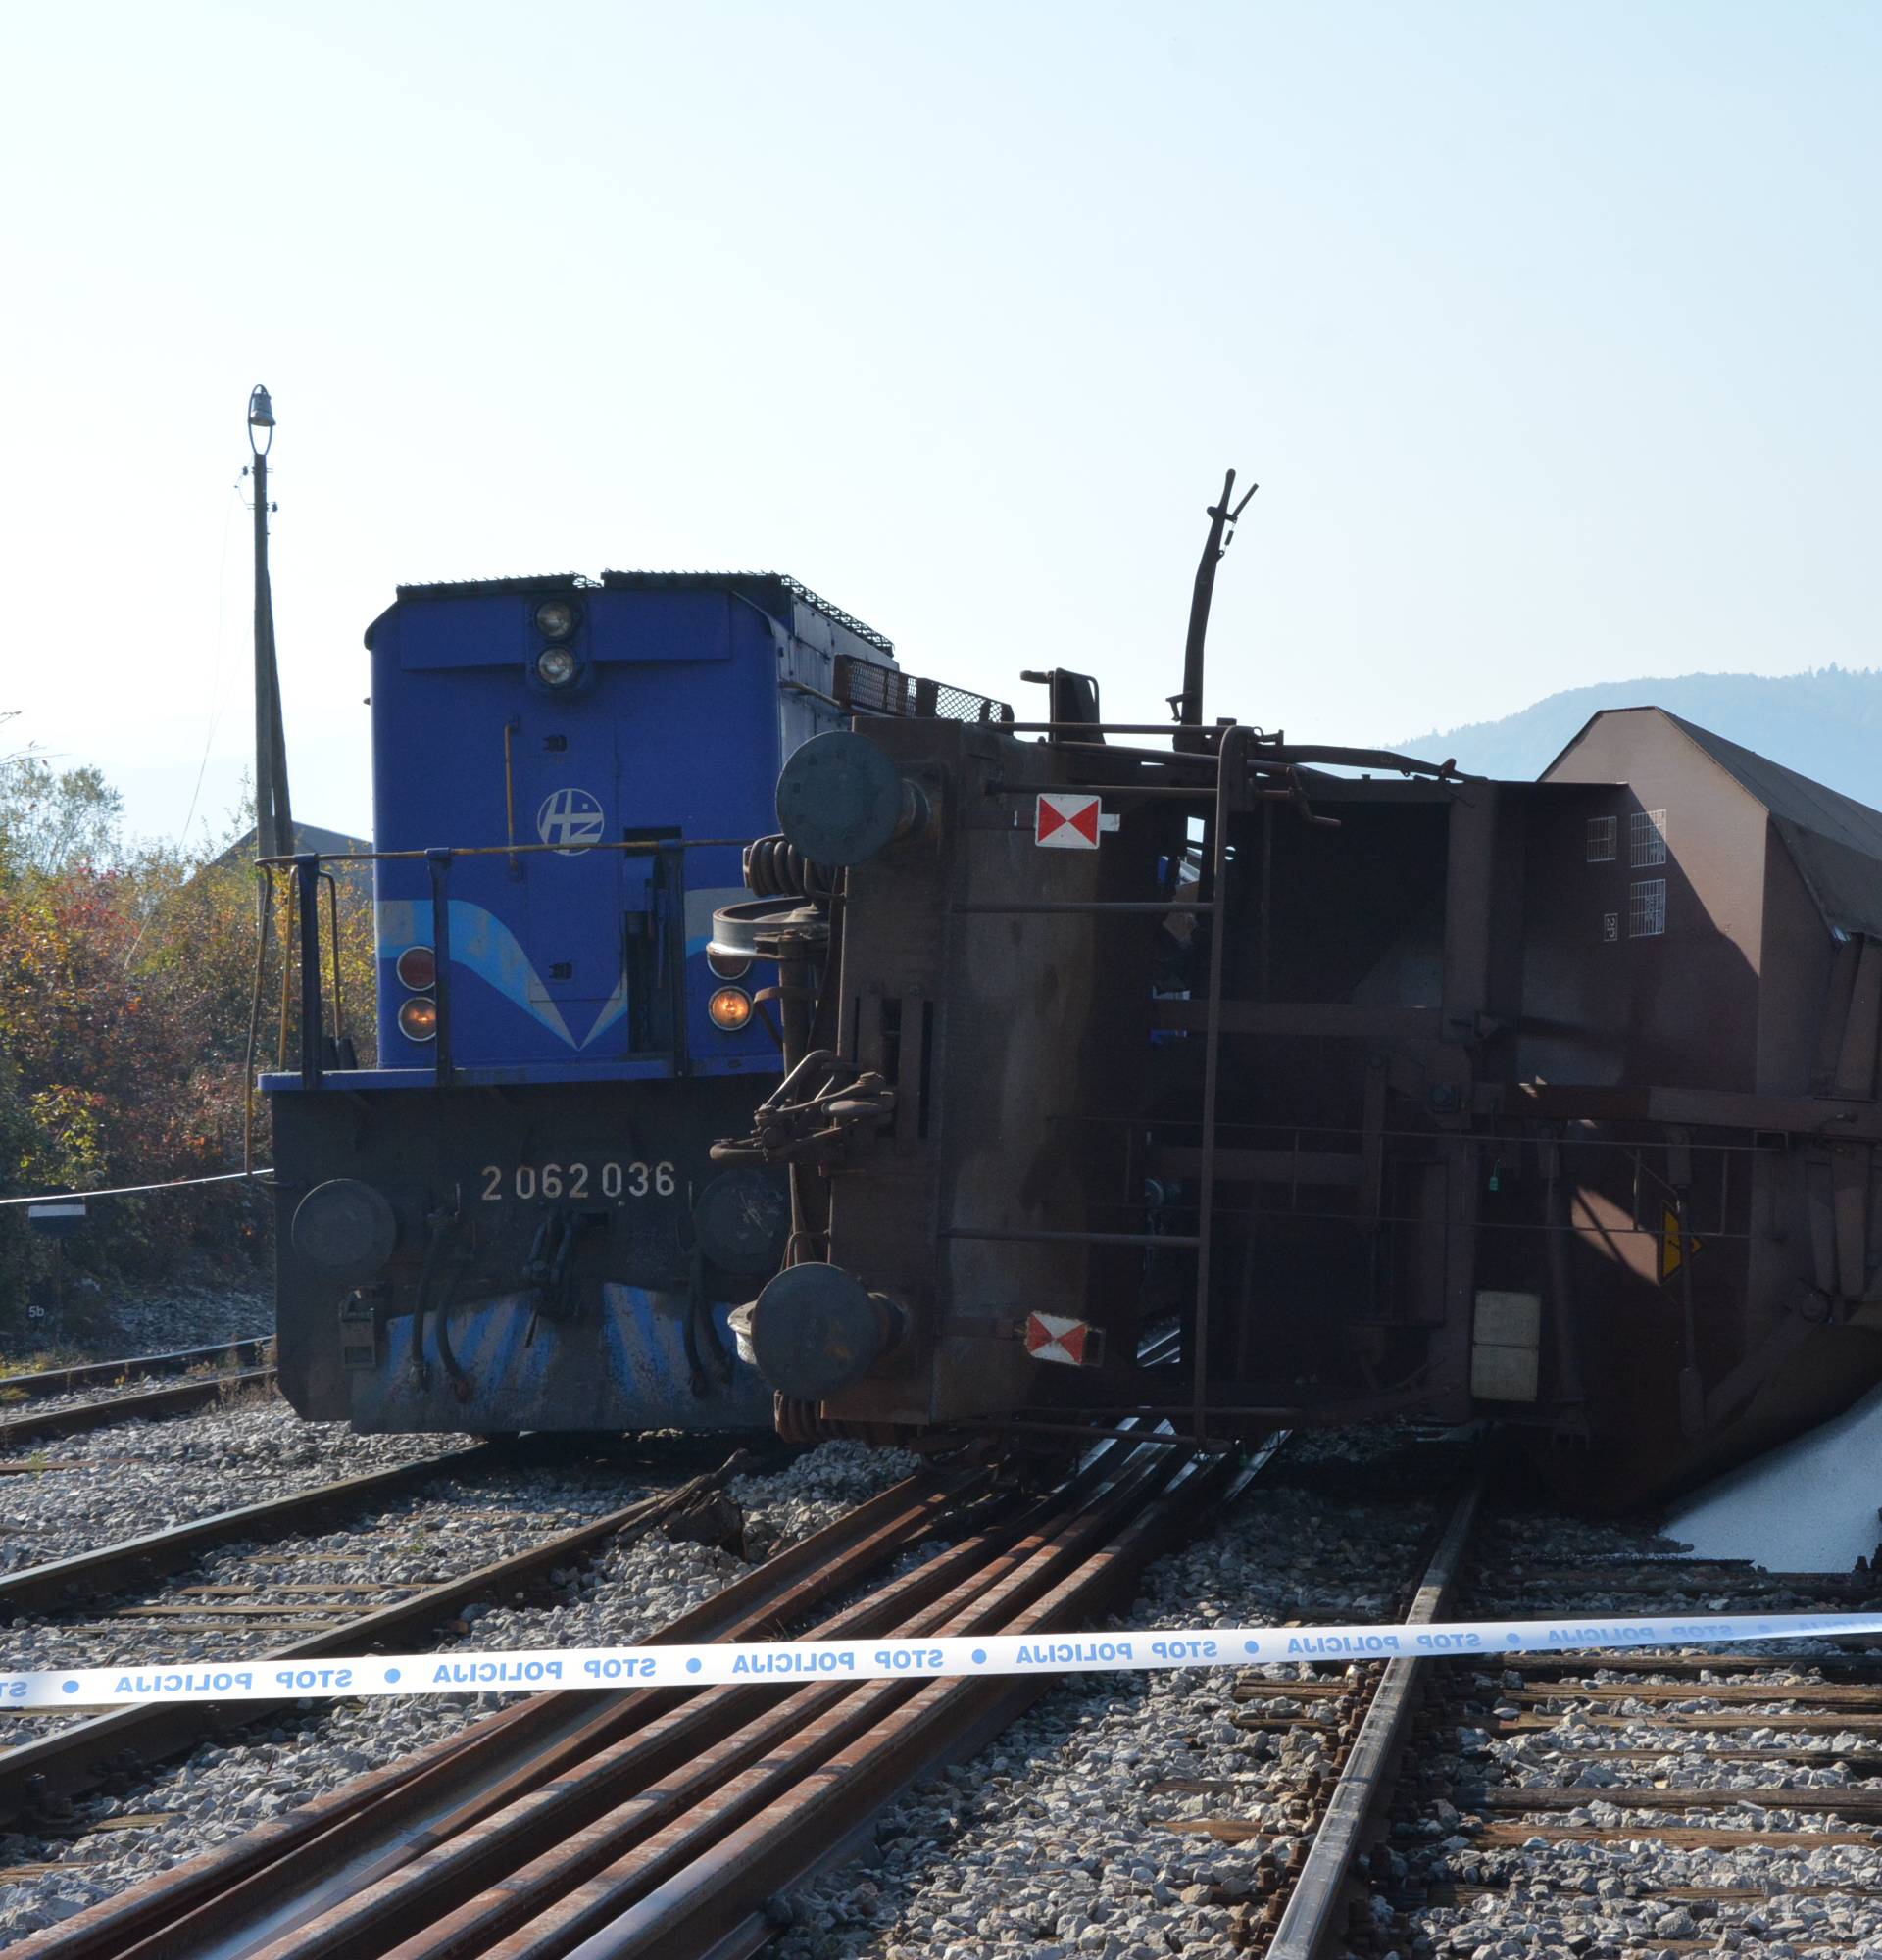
x=1074, y=1344
x=1068, y=822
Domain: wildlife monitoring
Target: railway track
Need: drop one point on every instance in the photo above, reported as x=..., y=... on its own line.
x=1595, y=1804
x=1588, y=1805
x=668, y=1822
x=285, y=1595
x=103, y=1374
x=212, y=1373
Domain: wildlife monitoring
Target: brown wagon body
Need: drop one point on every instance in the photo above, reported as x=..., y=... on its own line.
x=1393, y=1091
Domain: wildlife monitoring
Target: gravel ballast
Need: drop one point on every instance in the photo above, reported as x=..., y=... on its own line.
x=121, y=1482
x=124, y=1322
x=624, y=1594
x=1610, y=1895
x=1063, y=1841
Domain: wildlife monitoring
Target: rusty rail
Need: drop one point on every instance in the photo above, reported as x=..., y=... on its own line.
x=53, y=1768
x=255, y=1889
x=664, y=1822
x=703, y=1886
x=134, y=1561
x=101, y=1374
x=1314, y=1925
x=684, y=1862
x=174, y=1398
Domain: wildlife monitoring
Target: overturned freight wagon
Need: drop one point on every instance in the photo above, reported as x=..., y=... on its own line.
x=1394, y=1091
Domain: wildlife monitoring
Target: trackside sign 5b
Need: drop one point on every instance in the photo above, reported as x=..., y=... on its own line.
x=1067, y=822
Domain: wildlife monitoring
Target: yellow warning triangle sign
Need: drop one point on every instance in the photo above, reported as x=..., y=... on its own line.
x=1675, y=1247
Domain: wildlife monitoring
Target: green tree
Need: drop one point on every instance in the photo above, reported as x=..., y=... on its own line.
x=52, y=819
x=127, y=979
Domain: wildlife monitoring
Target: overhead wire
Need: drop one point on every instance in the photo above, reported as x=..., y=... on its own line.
x=216, y=656
x=215, y=705
x=138, y=1189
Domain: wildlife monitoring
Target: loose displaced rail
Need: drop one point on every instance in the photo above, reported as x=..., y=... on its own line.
x=668, y=1822
x=260, y=1887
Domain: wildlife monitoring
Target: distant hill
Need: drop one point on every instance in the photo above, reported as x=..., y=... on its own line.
x=1826, y=725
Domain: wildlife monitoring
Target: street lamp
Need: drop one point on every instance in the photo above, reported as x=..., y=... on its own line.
x=274, y=825
x=261, y=415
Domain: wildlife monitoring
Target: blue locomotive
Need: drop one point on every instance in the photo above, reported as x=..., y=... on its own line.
x=512, y=1221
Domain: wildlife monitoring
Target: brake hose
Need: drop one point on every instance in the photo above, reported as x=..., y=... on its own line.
x=434, y=1235
x=460, y=1383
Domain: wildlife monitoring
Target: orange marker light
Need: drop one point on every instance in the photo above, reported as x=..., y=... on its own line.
x=731, y=1008
x=419, y=1018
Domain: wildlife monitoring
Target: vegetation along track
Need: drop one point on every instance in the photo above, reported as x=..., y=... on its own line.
x=151, y=1601
x=670, y=1822
x=1659, y=1803
x=52, y=1402
x=44, y=1382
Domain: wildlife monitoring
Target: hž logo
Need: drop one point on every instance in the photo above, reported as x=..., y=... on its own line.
x=571, y=821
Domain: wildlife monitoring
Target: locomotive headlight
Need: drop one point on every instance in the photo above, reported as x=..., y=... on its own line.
x=418, y=968
x=555, y=667
x=554, y=618
x=419, y=1018
x=728, y=965
x=731, y=1007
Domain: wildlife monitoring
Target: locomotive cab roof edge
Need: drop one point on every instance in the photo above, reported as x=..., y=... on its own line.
x=775, y=592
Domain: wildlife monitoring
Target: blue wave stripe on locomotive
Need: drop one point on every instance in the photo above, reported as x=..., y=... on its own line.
x=484, y=945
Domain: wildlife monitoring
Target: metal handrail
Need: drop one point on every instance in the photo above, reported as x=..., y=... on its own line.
x=642, y=845
x=1233, y=741
x=304, y=909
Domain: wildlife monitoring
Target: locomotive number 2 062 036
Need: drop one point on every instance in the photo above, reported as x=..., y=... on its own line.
x=578, y=1181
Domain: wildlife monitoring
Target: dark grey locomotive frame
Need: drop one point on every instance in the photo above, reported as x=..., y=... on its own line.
x=547, y=1265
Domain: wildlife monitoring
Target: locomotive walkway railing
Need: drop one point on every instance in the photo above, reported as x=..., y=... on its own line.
x=321, y=1049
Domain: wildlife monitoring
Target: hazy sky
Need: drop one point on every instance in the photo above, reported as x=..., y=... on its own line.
x=1549, y=333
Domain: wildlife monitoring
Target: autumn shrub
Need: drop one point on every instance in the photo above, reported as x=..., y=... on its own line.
x=127, y=982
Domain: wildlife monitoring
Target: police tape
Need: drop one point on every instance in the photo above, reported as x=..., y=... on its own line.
x=524, y=1670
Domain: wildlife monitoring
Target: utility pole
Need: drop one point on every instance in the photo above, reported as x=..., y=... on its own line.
x=273, y=820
